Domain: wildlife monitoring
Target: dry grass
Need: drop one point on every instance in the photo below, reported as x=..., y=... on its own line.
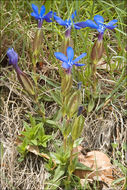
x=14, y=175
x=100, y=130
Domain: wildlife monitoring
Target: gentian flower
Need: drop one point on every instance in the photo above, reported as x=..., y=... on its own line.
x=68, y=23
x=80, y=109
x=13, y=59
x=23, y=78
x=41, y=17
x=68, y=61
x=99, y=25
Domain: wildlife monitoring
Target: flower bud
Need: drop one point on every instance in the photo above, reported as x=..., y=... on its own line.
x=23, y=78
x=77, y=127
x=67, y=42
x=26, y=83
x=73, y=103
x=13, y=57
x=97, y=50
x=38, y=39
x=66, y=85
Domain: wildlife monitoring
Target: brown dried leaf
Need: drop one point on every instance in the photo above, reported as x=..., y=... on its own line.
x=99, y=162
x=18, y=141
x=34, y=150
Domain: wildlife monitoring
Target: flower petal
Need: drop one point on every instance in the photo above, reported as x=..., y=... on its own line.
x=77, y=27
x=89, y=23
x=13, y=57
x=111, y=23
x=99, y=19
x=59, y=20
x=48, y=16
x=35, y=8
x=60, y=56
x=70, y=53
x=111, y=27
x=73, y=15
x=80, y=25
x=65, y=65
x=79, y=64
x=80, y=57
x=42, y=12
x=35, y=15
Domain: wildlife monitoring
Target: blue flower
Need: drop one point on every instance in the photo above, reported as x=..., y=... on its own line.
x=99, y=25
x=68, y=23
x=68, y=61
x=23, y=78
x=13, y=57
x=40, y=17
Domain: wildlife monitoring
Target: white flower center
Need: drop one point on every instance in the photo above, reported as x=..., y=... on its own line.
x=70, y=63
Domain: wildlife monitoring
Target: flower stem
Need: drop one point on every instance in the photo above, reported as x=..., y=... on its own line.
x=65, y=144
x=36, y=91
x=94, y=78
x=71, y=155
x=68, y=33
x=39, y=108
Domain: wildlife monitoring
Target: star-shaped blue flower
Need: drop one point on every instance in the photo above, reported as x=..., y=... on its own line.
x=68, y=23
x=68, y=61
x=40, y=17
x=99, y=25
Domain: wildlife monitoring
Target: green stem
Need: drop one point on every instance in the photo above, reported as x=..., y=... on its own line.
x=71, y=155
x=65, y=143
x=39, y=108
x=94, y=70
x=65, y=138
x=36, y=91
x=71, y=158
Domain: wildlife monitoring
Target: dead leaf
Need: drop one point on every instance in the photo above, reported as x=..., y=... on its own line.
x=98, y=162
x=34, y=150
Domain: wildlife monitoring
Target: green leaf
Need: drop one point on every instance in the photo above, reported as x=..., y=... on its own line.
x=66, y=128
x=77, y=142
x=37, y=42
x=22, y=149
x=44, y=139
x=91, y=105
x=80, y=166
x=51, y=82
x=26, y=83
x=32, y=120
x=27, y=127
x=34, y=142
x=59, y=172
x=66, y=84
x=56, y=97
x=40, y=132
x=61, y=157
x=77, y=127
x=73, y=103
x=52, y=123
x=118, y=180
x=58, y=115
